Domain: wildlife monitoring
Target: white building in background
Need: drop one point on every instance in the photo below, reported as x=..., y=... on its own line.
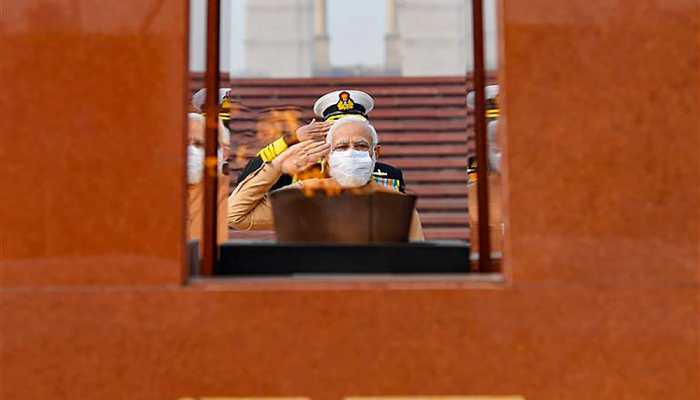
x=279, y=37
x=289, y=38
x=198, y=35
x=432, y=36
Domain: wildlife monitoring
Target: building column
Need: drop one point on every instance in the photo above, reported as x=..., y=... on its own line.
x=392, y=49
x=322, y=63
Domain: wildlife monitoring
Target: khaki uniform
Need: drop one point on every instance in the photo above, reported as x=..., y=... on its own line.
x=195, y=210
x=250, y=209
x=495, y=214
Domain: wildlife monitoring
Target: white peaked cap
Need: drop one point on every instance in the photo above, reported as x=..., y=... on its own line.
x=200, y=97
x=491, y=93
x=327, y=104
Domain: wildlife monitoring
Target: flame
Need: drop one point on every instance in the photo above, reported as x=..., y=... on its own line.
x=277, y=123
x=315, y=172
x=240, y=155
x=316, y=180
x=268, y=127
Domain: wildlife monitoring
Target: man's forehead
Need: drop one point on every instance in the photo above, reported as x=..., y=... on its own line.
x=351, y=132
x=348, y=139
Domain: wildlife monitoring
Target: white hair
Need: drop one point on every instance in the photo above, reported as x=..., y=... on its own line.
x=224, y=134
x=348, y=120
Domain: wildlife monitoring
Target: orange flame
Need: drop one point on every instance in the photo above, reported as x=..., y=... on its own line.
x=241, y=156
x=275, y=124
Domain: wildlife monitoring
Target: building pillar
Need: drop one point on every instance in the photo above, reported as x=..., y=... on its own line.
x=392, y=46
x=432, y=30
x=279, y=38
x=322, y=63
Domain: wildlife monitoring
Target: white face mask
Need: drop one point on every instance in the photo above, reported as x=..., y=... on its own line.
x=351, y=168
x=220, y=159
x=494, y=148
x=495, y=159
x=195, y=164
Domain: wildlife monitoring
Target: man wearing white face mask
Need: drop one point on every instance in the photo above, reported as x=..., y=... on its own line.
x=195, y=175
x=331, y=107
x=350, y=153
x=352, y=157
x=496, y=222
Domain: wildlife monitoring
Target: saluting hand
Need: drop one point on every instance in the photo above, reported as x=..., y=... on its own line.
x=301, y=156
x=315, y=131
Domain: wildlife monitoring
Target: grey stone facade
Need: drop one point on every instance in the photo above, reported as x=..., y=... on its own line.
x=289, y=38
x=279, y=39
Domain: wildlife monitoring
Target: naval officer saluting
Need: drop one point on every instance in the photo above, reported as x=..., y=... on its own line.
x=331, y=107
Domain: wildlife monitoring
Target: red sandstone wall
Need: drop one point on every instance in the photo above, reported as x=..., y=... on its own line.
x=106, y=119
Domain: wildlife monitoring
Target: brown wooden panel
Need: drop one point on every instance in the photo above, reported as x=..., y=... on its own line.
x=251, y=235
x=427, y=220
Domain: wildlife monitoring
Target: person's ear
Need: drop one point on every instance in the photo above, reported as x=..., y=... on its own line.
x=377, y=151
